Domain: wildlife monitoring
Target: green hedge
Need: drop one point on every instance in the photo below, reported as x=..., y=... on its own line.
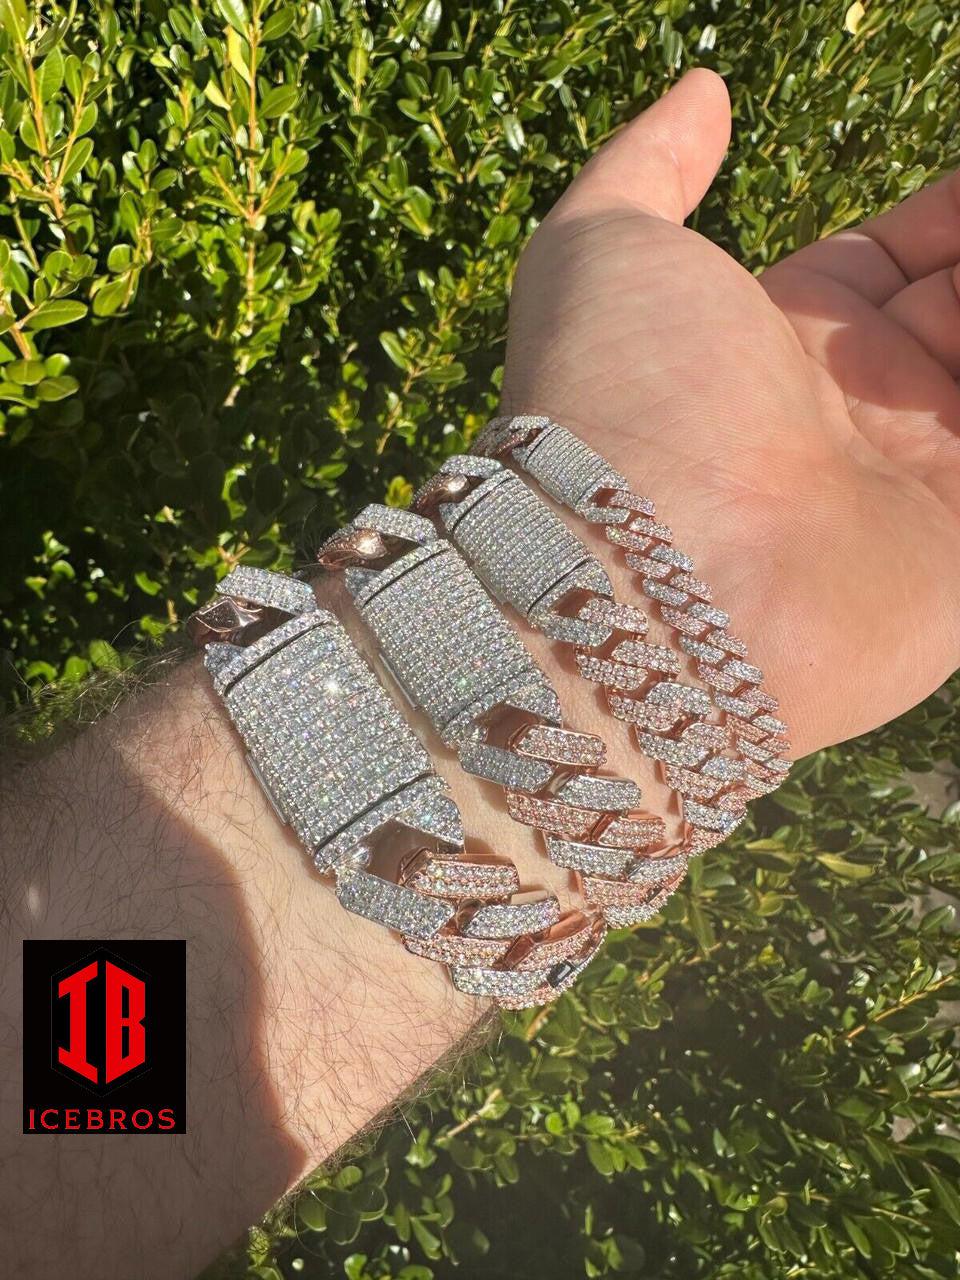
x=763, y=1085
x=254, y=266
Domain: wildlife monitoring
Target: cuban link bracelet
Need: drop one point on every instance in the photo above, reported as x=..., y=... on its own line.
x=458, y=659
x=583, y=481
x=528, y=558
x=342, y=767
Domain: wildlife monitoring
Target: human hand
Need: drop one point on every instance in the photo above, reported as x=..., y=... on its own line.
x=800, y=433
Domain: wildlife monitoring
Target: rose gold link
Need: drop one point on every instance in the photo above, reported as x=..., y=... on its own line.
x=699, y=840
x=690, y=783
x=611, y=613
x=455, y=949
x=632, y=502
x=712, y=736
x=548, y=951
x=645, y=715
x=629, y=539
x=717, y=678
x=724, y=640
x=682, y=621
x=745, y=729
x=651, y=657
x=760, y=699
x=620, y=893
x=552, y=815
x=460, y=878
x=693, y=586
x=753, y=787
x=649, y=568
x=619, y=675
x=633, y=833
x=652, y=529
x=560, y=746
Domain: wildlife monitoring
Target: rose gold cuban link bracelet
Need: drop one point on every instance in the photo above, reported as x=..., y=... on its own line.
x=529, y=559
x=579, y=478
x=341, y=766
x=459, y=660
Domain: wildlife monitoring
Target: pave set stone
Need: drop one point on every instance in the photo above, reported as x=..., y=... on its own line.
x=463, y=879
x=527, y=557
x=458, y=659
x=392, y=905
x=443, y=638
x=577, y=476
x=543, y=974
x=328, y=742
x=507, y=919
x=571, y=472
x=561, y=746
x=340, y=764
x=519, y=549
x=508, y=768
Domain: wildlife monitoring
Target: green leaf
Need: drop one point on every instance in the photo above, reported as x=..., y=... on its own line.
x=104, y=656
x=56, y=312
x=844, y=868
x=279, y=23
x=111, y=296
x=235, y=13
x=14, y=19
x=947, y=1195
x=57, y=388
x=502, y=229
x=513, y=132
x=598, y=1153
x=311, y=1212
x=278, y=101
x=26, y=372
x=50, y=75
x=77, y=160
x=394, y=348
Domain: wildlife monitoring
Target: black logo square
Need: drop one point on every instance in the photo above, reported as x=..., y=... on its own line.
x=104, y=1036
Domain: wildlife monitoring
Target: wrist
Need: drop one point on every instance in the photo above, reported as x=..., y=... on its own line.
x=347, y=1018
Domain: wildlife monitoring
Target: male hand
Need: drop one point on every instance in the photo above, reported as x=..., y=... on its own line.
x=800, y=433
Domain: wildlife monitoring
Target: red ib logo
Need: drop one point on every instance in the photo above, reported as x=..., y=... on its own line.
x=100, y=1008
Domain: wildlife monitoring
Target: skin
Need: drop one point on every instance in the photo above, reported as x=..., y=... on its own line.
x=800, y=434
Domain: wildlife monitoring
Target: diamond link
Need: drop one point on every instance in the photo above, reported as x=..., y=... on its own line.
x=339, y=763
x=591, y=792
x=445, y=641
x=578, y=477
x=560, y=746
x=270, y=590
x=506, y=919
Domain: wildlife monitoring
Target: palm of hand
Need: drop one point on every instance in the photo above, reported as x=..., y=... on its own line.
x=801, y=434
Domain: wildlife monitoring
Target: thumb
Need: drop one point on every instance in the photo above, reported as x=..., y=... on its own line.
x=664, y=160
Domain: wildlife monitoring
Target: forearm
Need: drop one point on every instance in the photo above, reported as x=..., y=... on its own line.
x=303, y=1022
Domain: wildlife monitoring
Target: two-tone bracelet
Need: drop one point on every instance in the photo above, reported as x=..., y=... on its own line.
x=579, y=478
x=345, y=771
x=529, y=559
x=459, y=660
x=343, y=768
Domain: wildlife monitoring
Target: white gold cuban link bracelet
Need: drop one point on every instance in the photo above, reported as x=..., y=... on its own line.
x=579, y=478
x=459, y=660
x=345, y=771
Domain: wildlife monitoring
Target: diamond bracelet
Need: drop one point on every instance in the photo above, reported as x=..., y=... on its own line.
x=529, y=559
x=458, y=659
x=341, y=766
x=583, y=481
